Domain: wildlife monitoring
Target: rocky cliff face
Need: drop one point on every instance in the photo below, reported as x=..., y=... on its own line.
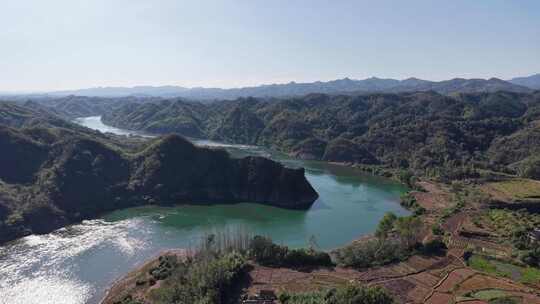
x=259, y=179
x=65, y=180
x=173, y=170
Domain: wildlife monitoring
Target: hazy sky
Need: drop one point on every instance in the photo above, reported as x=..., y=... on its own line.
x=64, y=44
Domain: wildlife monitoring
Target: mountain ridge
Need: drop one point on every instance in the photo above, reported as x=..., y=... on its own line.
x=415, y=130
x=532, y=81
x=290, y=89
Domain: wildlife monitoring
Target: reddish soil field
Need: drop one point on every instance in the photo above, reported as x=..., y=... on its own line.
x=439, y=298
x=400, y=288
x=424, y=278
x=434, y=199
x=419, y=262
x=527, y=297
x=453, y=223
x=454, y=278
x=481, y=281
x=380, y=274
x=431, y=201
x=417, y=294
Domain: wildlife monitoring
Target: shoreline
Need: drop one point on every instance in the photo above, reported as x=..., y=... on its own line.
x=179, y=252
x=391, y=174
x=451, y=270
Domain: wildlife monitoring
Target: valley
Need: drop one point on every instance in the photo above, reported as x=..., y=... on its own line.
x=481, y=264
x=424, y=132
x=122, y=239
x=270, y=152
x=465, y=216
x=460, y=166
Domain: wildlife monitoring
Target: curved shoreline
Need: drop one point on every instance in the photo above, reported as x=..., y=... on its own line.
x=124, y=278
x=431, y=276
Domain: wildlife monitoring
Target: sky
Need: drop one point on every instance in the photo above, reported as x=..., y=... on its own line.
x=69, y=44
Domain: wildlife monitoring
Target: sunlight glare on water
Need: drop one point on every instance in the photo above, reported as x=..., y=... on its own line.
x=41, y=268
x=77, y=264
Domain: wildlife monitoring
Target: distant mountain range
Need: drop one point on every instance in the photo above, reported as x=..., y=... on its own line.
x=532, y=82
x=339, y=86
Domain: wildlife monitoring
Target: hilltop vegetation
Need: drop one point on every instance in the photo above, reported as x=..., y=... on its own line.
x=55, y=173
x=425, y=132
x=71, y=106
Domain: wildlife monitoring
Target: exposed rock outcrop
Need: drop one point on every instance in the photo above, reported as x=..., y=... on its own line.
x=174, y=170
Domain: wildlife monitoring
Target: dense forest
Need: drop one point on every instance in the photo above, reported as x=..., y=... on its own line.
x=55, y=172
x=425, y=132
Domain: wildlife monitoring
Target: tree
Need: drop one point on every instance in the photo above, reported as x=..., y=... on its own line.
x=265, y=252
x=408, y=229
x=349, y=294
x=385, y=226
x=532, y=257
x=357, y=295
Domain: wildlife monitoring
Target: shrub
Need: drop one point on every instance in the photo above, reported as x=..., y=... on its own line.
x=531, y=257
x=370, y=253
x=531, y=275
x=396, y=241
x=167, y=263
x=307, y=257
x=437, y=230
x=386, y=225
x=406, y=177
x=434, y=247
x=407, y=229
x=205, y=279
x=505, y=300
x=409, y=201
x=358, y=295
x=349, y=294
x=265, y=252
x=520, y=238
x=128, y=300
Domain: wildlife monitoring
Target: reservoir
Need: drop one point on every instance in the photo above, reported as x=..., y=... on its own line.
x=76, y=264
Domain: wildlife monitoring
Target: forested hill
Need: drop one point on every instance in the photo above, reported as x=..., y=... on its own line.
x=54, y=173
x=420, y=131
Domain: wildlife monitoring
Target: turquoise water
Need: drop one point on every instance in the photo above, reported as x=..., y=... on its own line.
x=76, y=264
x=349, y=206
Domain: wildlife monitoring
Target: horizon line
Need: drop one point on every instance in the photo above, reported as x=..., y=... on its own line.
x=44, y=92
